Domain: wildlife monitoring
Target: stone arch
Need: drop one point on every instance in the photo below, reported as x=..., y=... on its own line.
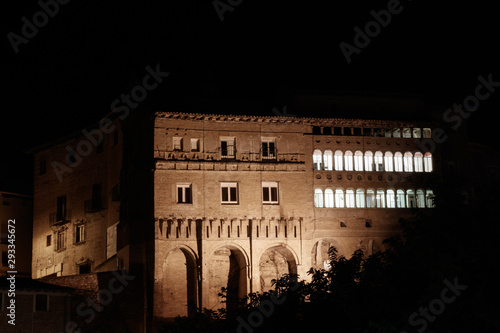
x=229, y=268
x=319, y=252
x=274, y=262
x=180, y=282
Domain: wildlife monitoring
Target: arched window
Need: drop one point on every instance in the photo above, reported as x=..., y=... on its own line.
x=400, y=199
x=339, y=198
x=429, y=196
x=388, y=161
x=338, y=160
x=420, y=199
x=380, y=199
x=368, y=161
x=419, y=161
x=379, y=161
x=317, y=163
x=358, y=160
x=398, y=162
x=408, y=162
x=410, y=199
x=360, y=198
x=318, y=198
x=349, y=165
x=391, y=199
x=349, y=198
x=328, y=160
x=427, y=162
x=328, y=198
x=370, y=199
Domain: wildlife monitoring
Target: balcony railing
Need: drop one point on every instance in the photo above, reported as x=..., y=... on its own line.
x=269, y=154
x=228, y=152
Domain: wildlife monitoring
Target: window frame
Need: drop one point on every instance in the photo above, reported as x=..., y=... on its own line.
x=269, y=186
x=229, y=186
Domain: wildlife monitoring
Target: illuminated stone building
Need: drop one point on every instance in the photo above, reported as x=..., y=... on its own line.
x=189, y=203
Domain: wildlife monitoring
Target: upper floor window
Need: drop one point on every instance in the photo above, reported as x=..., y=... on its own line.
x=427, y=162
x=329, y=198
x=389, y=166
x=348, y=158
x=177, y=143
x=360, y=198
x=184, y=193
x=379, y=161
x=61, y=208
x=338, y=160
x=358, y=161
x=408, y=162
x=60, y=240
x=418, y=160
x=391, y=199
x=317, y=160
x=79, y=233
x=328, y=160
x=270, y=193
x=349, y=198
x=227, y=148
x=229, y=193
x=195, y=144
x=268, y=148
x=398, y=162
x=318, y=198
x=368, y=161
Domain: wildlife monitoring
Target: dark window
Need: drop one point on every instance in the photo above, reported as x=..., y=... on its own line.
x=268, y=150
x=61, y=244
x=316, y=130
x=229, y=193
x=80, y=233
x=337, y=131
x=41, y=302
x=327, y=130
x=184, y=193
x=84, y=269
x=97, y=196
x=357, y=131
x=49, y=240
x=367, y=131
x=61, y=208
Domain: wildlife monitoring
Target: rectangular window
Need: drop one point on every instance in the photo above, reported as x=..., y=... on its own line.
x=229, y=193
x=96, y=197
x=111, y=240
x=268, y=148
x=84, y=269
x=270, y=193
x=227, y=148
x=80, y=233
x=41, y=302
x=184, y=193
x=195, y=144
x=177, y=143
x=49, y=240
x=61, y=208
x=61, y=244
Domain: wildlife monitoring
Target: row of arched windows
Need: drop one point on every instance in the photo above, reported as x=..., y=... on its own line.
x=359, y=198
x=357, y=161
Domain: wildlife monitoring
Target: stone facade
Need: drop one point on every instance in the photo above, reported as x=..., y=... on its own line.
x=190, y=203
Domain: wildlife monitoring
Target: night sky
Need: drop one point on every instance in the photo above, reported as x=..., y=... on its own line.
x=90, y=52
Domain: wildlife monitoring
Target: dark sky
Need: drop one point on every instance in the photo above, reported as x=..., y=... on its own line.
x=90, y=52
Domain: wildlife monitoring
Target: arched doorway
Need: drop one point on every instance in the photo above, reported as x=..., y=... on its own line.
x=180, y=283
x=274, y=263
x=228, y=269
x=319, y=254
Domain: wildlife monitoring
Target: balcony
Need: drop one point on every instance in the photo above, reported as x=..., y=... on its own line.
x=58, y=218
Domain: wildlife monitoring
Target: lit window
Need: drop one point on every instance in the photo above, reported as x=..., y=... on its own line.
x=360, y=198
x=406, y=132
x=396, y=133
x=400, y=199
x=368, y=161
x=328, y=198
x=398, y=162
x=379, y=161
x=410, y=199
x=270, y=193
x=268, y=148
x=229, y=193
x=419, y=161
x=358, y=161
x=408, y=162
x=318, y=198
x=388, y=161
x=428, y=162
x=429, y=195
x=339, y=198
x=391, y=200
x=328, y=160
x=420, y=199
x=427, y=133
x=380, y=199
x=317, y=160
x=184, y=193
x=370, y=199
x=338, y=160
x=349, y=165
x=417, y=133
x=349, y=198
